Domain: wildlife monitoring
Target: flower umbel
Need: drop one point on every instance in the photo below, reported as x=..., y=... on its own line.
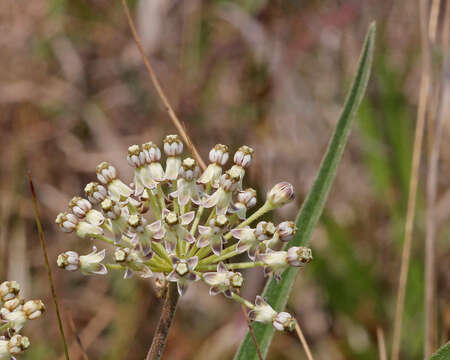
x=175, y=224
x=14, y=313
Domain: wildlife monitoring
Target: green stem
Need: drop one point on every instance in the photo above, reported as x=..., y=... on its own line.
x=235, y=266
x=162, y=202
x=224, y=256
x=243, y=301
x=257, y=214
x=5, y=327
x=176, y=205
x=154, y=204
x=159, y=249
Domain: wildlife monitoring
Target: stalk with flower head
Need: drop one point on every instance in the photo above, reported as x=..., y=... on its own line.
x=177, y=225
x=14, y=313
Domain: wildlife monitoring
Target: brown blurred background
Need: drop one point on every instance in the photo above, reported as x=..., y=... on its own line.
x=269, y=74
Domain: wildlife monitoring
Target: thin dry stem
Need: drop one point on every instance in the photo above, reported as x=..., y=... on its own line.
x=302, y=339
x=164, y=324
x=252, y=332
x=160, y=91
x=433, y=174
x=47, y=265
x=417, y=151
x=382, y=354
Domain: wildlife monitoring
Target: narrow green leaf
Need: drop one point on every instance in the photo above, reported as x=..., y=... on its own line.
x=277, y=294
x=443, y=353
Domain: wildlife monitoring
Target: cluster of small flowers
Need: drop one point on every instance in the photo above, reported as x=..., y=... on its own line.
x=14, y=313
x=177, y=224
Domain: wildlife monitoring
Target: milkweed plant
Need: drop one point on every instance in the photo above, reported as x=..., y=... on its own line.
x=175, y=224
x=14, y=313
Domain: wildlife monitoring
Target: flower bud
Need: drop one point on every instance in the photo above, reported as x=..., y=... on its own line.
x=189, y=169
x=9, y=290
x=247, y=197
x=79, y=206
x=91, y=263
x=262, y=312
x=33, y=309
x=281, y=194
x=18, y=344
x=152, y=152
x=13, y=304
x=286, y=230
x=299, y=256
x=244, y=156
x=264, y=230
x=70, y=261
x=106, y=172
x=67, y=222
x=229, y=182
x=136, y=157
x=111, y=209
x=95, y=192
x=284, y=321
x=173, y=145
x=219, y=154
x=16, y=319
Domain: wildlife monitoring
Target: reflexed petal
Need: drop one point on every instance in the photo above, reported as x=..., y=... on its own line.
x=215, y=290
x=221, y=267
x=192, y=262
x=187, y=218
x=182, y=287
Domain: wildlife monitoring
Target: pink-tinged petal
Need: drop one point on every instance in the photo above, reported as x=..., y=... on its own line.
x=172, y=277
x=192, y=262
x=146, y=273
x=252, y=252
x=251, y=315
x=221, y=209
x=221, y=268
x=202, y=241
x=170, y=246
x=128, y=274
x=189, y=238
x=175, y=260
x=228, y=293
x=209, y=277
x=212, y=200
x=187, y=218
x=215, y=290
x=182, y=287
x=159, y=235
x=239, y=233
x=183, y=196
x=232, y=209
x=259, y=301
x=146, y=249
x=165, y=212
x=174, y=194
x=216, y=245
x=101, y=270
x=241, y=247
x=155, y=226
x=203, y=229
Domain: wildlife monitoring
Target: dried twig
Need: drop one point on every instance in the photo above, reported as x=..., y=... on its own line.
x=300, y=335
x=164, y=324
x=417, y=151
x=382, y=354
x=432, y=181
x=159, y=90
x=47, y=265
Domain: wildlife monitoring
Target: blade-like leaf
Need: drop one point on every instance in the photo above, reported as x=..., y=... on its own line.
x=443, y=353
x=277, y=293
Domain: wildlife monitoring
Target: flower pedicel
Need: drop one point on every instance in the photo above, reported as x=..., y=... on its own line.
x=175, y=224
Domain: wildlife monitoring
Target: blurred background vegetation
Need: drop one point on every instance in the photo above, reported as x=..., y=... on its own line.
x=269, y=74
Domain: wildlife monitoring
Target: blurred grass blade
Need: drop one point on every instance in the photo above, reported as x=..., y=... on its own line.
x=443, y=353
x=277, y=293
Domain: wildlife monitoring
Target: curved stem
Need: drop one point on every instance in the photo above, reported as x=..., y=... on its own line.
x=164, y=324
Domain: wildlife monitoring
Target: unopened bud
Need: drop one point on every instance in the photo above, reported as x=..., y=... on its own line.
x=281, y=194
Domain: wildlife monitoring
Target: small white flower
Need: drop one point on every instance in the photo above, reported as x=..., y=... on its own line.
x=284, y=232
x=244, y=156
x=95, y=192
x=247, y=241
x=16, y=345
x=222, y=197
x=174, y=226
x=281, y=194
x=107, y=175
x=276, y=262
x=33, y=309
x=173, y=147
x=183, y=272
x=13, y=304
x=245, y=200
x=133, y=263
x=188, y=190
x=70, y=261
x=262, y=312
x=284, y=321
x=213, y=234
x=16, y=319
x=223, y=281
x=91, y=263
x=299, y=255
x=9, y=290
